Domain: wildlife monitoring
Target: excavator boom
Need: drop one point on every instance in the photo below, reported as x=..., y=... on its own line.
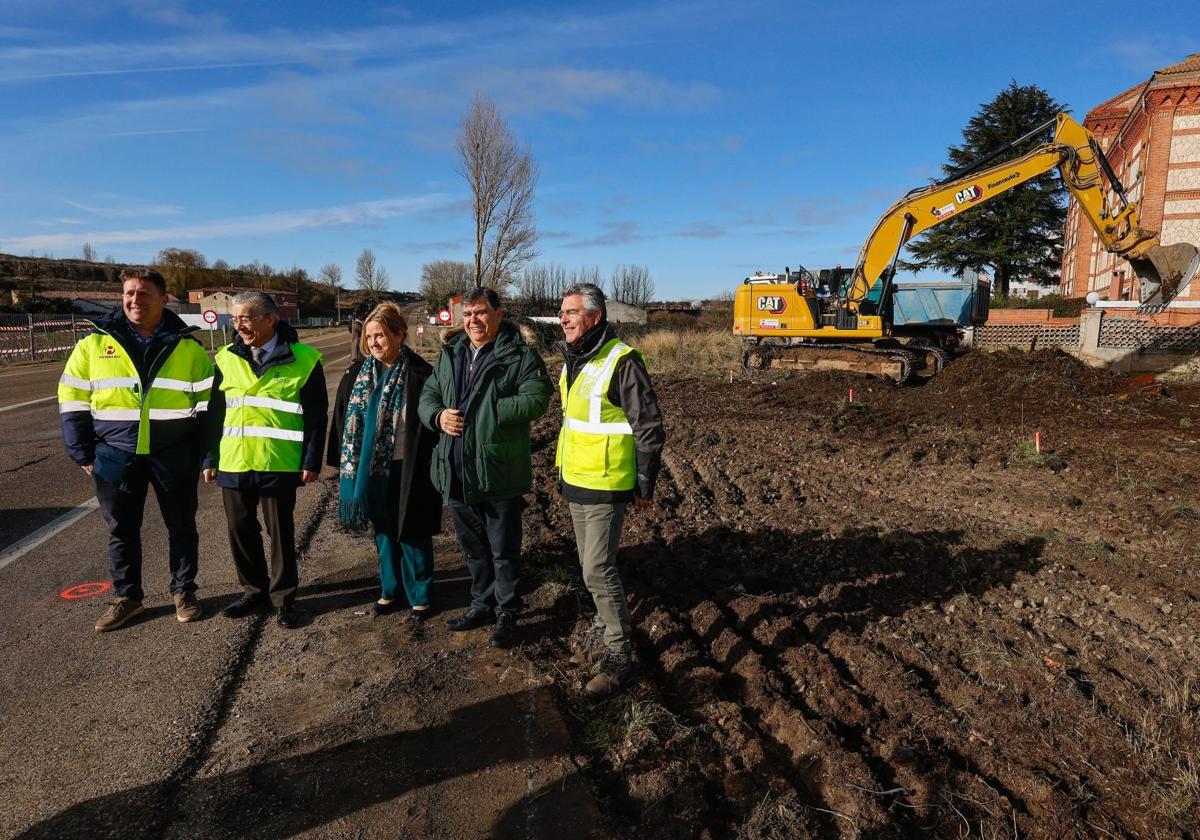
x=1164, y=272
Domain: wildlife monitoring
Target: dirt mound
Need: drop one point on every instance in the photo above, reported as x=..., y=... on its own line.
x=1012, y=375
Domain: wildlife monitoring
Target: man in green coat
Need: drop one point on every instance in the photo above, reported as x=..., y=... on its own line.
x=486, y=388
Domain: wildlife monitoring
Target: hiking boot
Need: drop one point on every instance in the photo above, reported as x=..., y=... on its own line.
x=244, y=606
x=504, y=632
x=472, y=618
x=118, y=613
x=614, y=671
x=590, y=647
x=187, y=606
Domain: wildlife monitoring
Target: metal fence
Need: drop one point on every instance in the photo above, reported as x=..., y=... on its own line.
x=30, y=338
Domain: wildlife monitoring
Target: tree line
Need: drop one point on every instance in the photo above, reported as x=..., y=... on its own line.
x=538, y=288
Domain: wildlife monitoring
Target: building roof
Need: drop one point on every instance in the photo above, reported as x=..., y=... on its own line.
x=1190, y=65
x=233, y=290
x=1125, y=102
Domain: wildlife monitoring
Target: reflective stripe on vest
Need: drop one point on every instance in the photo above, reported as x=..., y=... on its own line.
x=595, y=444
x=101, y=378
x=264, y=421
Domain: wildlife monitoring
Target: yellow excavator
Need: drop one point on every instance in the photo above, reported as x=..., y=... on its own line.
x=850, y=319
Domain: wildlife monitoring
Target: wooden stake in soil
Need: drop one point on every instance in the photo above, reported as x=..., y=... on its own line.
x=851, y=395
x=1037, y=442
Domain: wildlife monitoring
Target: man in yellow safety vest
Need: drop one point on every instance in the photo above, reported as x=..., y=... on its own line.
x=266, y=438
x=609, y=450
x=131, y=402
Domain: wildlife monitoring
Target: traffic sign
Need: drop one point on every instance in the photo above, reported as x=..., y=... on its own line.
x=444, y=316
x=210, y=316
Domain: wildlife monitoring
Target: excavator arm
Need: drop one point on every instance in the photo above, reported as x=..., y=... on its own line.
x=1164, y=272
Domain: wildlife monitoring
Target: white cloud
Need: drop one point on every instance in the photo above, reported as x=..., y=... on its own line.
x=267, y=223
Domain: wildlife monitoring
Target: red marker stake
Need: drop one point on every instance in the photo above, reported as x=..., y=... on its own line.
x=851, y=395
x=1037, y=442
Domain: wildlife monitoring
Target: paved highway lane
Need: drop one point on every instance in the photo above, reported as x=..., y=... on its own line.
x=102, y=713
x=38, y=482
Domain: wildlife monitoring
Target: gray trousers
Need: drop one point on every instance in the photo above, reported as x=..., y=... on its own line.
x=597, y=536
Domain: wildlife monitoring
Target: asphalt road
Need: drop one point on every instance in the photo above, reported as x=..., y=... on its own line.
x=88, y=714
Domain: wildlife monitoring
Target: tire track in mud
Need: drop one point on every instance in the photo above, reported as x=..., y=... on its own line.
x=850, y=730
x=793, y=730
x=1028, y=777
x=927, y=677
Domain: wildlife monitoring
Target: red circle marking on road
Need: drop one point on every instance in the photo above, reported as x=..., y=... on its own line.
x=85, y=590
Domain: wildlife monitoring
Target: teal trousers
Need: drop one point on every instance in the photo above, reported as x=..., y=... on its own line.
x=409, y=564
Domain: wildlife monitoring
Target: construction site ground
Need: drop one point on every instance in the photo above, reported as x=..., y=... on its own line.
x=891, y=617
x=894, y=617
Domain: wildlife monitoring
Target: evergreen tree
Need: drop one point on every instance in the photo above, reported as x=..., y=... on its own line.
x=1018, y=234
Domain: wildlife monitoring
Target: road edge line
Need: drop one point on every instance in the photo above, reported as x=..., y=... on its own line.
x=28, y=543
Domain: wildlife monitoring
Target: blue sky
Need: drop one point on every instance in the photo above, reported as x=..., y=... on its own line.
x=701, y=139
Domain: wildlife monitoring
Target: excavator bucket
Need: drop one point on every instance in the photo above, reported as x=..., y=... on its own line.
x=1165, y=272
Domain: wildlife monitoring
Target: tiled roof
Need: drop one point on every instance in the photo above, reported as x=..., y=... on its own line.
x=1191, y=64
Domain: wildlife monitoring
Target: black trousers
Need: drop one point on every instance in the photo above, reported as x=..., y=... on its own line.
x=490, y=535
x=279, y=580
x=123, y=508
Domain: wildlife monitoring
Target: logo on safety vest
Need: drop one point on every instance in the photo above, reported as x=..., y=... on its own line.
x=110, y=351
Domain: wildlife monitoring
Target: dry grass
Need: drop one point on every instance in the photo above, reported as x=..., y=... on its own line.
x=680, y=352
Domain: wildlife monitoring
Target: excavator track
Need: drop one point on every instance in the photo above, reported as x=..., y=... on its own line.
x=899, y=364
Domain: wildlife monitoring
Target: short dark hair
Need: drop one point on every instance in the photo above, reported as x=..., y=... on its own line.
x=481, y=293
x=148, y=274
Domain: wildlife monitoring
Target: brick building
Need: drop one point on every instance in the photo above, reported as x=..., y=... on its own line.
x=1151, y=135
x=219, y=300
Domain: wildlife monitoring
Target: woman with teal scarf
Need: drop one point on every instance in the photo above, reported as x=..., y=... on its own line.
x=382, y=454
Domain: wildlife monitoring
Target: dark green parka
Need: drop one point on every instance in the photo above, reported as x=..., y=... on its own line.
x=506, y=396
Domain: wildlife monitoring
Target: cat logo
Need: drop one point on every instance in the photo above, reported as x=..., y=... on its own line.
x=971, y=193
x=775, y=304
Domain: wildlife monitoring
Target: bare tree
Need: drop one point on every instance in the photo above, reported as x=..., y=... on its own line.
x=441, y=279
x=89, y=253
x=540, y=287
x=182, y=268
x=331, y=276
x=502, y=177
x=372, y=277
x=631, y=284
x=258, y=271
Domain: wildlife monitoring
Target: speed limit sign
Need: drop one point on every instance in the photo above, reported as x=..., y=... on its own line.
x=444, y=316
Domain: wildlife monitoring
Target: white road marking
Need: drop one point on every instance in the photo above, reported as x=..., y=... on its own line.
x=22, y=405
x=24, y=372
x=24, y=546
x=29, y=543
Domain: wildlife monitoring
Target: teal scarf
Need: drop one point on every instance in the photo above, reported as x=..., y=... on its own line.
x=373, y=416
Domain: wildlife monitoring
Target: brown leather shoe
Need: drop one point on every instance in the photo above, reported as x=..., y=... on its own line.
x=118, y=613
x=187, y=606
x=614, y=672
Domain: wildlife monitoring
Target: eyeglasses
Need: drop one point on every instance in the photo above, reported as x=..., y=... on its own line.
x=569, y=313
x=238, y=320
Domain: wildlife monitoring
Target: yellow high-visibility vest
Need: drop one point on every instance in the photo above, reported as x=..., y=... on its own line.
x=264, y=421
x=595, y=444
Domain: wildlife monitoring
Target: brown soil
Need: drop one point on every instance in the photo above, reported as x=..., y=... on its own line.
x=893, y=617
